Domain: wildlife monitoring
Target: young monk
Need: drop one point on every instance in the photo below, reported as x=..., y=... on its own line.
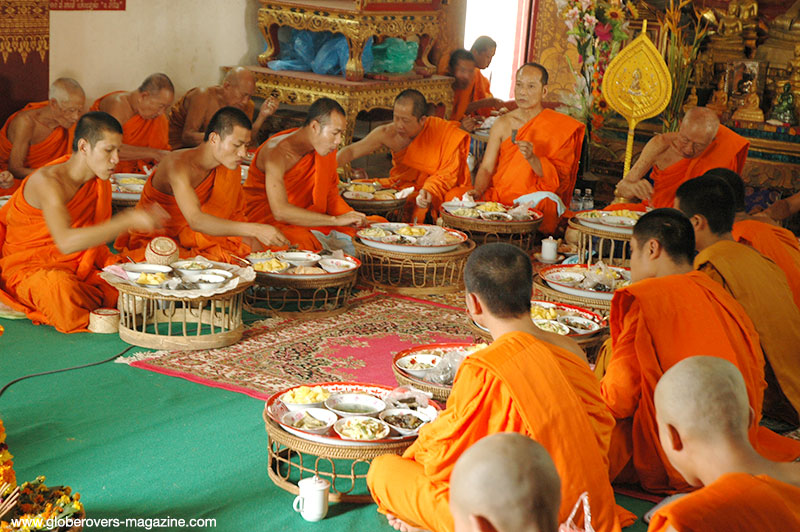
x=470, y=90
x=141, y=113
x=701, y=143
x=756, y=282
x=667, y=314
x=39, y=133
x=521, y=478
x=189, y=117
x=293, y=184
x=201, y=190
x=428, y=153
x=703, y=418
x=521, y=383
x=53, y=231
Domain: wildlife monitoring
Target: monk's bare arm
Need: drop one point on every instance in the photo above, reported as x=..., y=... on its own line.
x=632, y=185
x=374, y=141
x=119, y=110
x=20, y=133
x=499, y=131
x=494, y=103
x=192, y=134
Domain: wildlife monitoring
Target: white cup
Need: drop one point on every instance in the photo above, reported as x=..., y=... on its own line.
x=549, y=248
x=312, y=503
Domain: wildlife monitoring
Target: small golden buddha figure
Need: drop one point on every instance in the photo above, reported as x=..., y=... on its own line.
x=728, y=41
x=719, y=100
x=691, y=100
x=751, y=110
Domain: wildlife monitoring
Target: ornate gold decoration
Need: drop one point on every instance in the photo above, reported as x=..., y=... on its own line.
x=550, y=49
x=24, y=28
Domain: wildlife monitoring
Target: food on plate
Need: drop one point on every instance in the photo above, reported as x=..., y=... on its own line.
x=626, y=213
x=152, y=279
x=552, y=326
x=495, y=216
x=373, y=232
x=131, y=181
x=194, y=265
x=271, y=265
x=410, y=230
x=304, y=395
x=261, y=255
x=542, y=313
x=404, y=421
x=308, y=422
x=383, y=195
x=353, y=408
x=306, y=270
x=576, y=323
x=450, y=238
x=491, y=206
x=362, y=428
x=415, y=363
x=466, y=213
x=361, y=187
x=398, y=239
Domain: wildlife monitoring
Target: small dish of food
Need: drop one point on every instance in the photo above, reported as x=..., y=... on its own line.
x=331, y=265
x=496, y=216
x=314, y=420
x=491, y=206
x=299, y=258
x=411, y=230
x=152, y=280
x=361, y=428
x=552, y=326
x=403, y=421
x=362, y=187
x=398, y=239
x=419, y=364
x=384, y=195
x=354, y=194
x=304, y=397
x=260, y=256
x=578, y=324
x=373, y=232
x=207, y=281
x=354, y=404
x=134, y=269
x=464, y=212
x=191, y=266
x=271, y=266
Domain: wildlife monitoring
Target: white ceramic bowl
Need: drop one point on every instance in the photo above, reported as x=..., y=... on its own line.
x=351, y=194
x=579, y=325
x=219, y=271
x=398, y=239
x=553, y=327
x=208, y=281
x=336, y=265
x=261, y=256
x=190, y=267
x=299, y=258
x=134, y=270
x=406, y=361
x=131, y=189
x=402, y=431
x=321, y=414
x=299, y=407
x=496, y=216
x=355, y=404
x=382, y=427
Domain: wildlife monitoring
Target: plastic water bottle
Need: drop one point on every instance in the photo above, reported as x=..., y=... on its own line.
x=577, y=203
x=588, y=200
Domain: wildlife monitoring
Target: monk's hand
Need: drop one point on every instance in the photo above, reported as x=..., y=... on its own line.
x=269, y=236
x=525, y=148
x=469, y=123
x=268, y=108
x=6, y=179
x=424, y=199
x=780, y=210
x=641, y=189
x=147, y=220
x=360, y=173
x=353, y=218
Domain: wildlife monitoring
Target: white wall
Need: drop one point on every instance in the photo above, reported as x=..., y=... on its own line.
x=493, y=18
x=189, y=40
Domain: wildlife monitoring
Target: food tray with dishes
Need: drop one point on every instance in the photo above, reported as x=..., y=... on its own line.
x=348, y=414
x=411, y=238
x=596, y=281
x=127, y=187
x=371, y=191
x=301, y=264
x=431, y=368
x=619, y=221
x=491, y=212
x=566, y=320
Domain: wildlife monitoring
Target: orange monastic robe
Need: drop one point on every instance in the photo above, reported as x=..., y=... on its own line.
x=478, y=89
x=728, y=150
x=735, y=502
x=56, y=145
x=656, y=323
x=49, y=286
x=760, y=286
x=137, y=131
x=514, y=385
x=220, y=195
x=436, y=160
x=775, y=243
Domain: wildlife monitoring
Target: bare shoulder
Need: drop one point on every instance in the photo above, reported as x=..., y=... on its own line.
x=117, y=105
x=45, y=185
x=23, y=122
x=198, y=96
x=663, y=140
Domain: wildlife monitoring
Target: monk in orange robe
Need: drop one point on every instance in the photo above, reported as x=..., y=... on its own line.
x=53, y=231
x=700, y=144
x=189, y=117
x=756, y=282
x=201, y=190
x=39, y=133
x=293, y=185
x=471, y=94
x=141, y=113
x=515, y=385
x=670, y=313
x=530, y=149
x=428, y=153
x=703, y=417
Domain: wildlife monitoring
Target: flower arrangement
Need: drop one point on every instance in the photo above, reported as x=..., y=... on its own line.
x=39, y=504
x=6, y=464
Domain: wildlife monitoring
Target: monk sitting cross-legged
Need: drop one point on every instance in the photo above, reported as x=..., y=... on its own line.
x=39, y=133
x=521, y=383
x=428, y=153
x=703, y=418
x=667, y=314
x=756, y=282
x=519, y=475
x=53, y=231
x=293, y=184
x=141, y=113
x=201, y=190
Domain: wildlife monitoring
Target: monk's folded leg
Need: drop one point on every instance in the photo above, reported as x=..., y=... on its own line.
x=620, y=453
x=110, y=294
x=399, y=487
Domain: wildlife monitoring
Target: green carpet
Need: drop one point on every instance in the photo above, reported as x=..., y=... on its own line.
x=138, y=444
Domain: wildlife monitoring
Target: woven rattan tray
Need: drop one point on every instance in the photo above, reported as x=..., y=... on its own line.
x=549, y=294
x=604, y=243
x=392, y=210
x=519, y=233
x=439, y=393
x=296, y=296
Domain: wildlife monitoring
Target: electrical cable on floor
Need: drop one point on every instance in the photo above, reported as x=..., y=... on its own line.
x=4, y=388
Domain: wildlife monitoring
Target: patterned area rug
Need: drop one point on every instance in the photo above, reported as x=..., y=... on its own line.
x=357, y=345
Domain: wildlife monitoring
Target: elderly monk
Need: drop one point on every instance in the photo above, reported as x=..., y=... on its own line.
x=521, y=478
x=703, y=417
x=530, y=149
x=756, y=282
x=145, y=138
x=521, y=383
x=667, y=314
x=701, y=143
x=293, y=185
x=190, y=116
x=428, y=153
x=53, y=231
x=201, y=190
x=39, y=133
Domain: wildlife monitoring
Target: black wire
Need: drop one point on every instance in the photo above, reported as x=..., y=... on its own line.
x=4, y=388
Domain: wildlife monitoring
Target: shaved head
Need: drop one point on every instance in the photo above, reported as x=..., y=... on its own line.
x=63, y=89
x=508, y=480
x=701, y=121
x=502, y=276
x=239, y=76
x=155, y=83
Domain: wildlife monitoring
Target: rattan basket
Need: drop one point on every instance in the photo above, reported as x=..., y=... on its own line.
x=296, y=296
x=519, y=233
x=392, y=210
x=607, y=245
x=601, y=306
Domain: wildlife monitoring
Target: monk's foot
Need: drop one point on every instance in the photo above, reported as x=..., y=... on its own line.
x=402, y=526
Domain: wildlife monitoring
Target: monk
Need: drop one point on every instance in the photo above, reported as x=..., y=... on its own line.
x=756, y=282
x=428, y=153
x=521, y=478
x=201, y=190
x=53, y=231
x=701, y=143
x=141, y=113
x=39, y=133
x=293, y=184
x=471, y=94
x=667, y=314
x=530, y=149
x=189, y=117
x=521, y=383
x=784, y=208
x=703, y=418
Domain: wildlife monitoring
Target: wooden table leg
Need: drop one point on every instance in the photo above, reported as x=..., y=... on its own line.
x=270, y=33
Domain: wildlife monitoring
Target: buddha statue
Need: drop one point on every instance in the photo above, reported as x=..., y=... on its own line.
x=748, y=14
x=783, y=111
x=719, y=100
x=751, y=109
x=783, y=34
x=794, y=68
x=691, y=100
x=728, y=42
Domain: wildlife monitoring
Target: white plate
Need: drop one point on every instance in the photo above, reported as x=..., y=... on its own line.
x=599, y=224
x=331, y=265
x=377, y=243
x=553, y=274
x=582, y=313
x=299, y=258
x=425, y=358
x=339, y=425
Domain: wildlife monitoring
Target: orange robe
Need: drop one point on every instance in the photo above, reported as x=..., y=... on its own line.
x=760, y=286
x=436, y=160
x=220, y=195
x=57, y=144
x=514, y=385
x=728, y=150
x=736, y=502
x=656, y=323
x=478, y=89
x=137, y=131
x=49, y=286
x=176, y=116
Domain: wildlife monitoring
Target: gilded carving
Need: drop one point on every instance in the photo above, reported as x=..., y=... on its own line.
x=550, y=48
x=24, y=28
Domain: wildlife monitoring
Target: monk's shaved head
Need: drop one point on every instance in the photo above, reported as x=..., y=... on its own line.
x=419, y=106
x=672, y=230
x=537, y=66
x=92, y=127
x=224, y=120
x=735, y=182
x=508, y=480
x=701, y=117
x=63, y=89
x=501, y=275
x=483, y=43
x=711, y=197
x=239, y=76
x=155, y=83
x=320, y=111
